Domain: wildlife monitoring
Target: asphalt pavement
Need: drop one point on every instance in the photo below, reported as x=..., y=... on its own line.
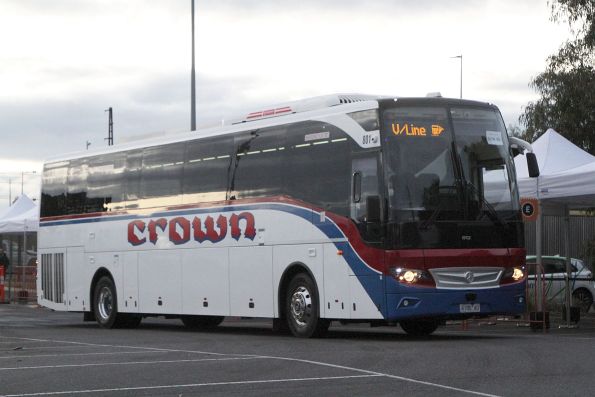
x=45, y=353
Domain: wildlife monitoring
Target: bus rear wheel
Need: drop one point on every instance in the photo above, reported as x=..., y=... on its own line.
x=419, y=327
x=302, y=308
x=202, y=322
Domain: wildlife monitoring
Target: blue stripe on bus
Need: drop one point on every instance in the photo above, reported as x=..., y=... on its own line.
x=372, y=285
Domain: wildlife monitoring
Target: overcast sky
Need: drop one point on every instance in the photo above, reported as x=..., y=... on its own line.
x=63, y=62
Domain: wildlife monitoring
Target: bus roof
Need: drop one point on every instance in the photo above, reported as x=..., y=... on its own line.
x=267, y=116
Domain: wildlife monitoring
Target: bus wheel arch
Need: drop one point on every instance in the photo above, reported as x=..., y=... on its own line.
x=290, y=272
x=101, y=272
x=299, y=303
x=104, y=303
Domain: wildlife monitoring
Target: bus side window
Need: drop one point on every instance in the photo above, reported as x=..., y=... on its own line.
x=53, y=202
x=105, y=182
x=207, y=165
x=256, y=169
x=131, y=185
x=76, y=190
x=161, y=175
x=318, y=166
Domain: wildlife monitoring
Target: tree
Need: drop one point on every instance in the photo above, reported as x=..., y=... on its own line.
x=567, y=86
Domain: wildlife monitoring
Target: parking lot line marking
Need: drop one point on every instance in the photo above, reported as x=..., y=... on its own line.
x=364, y=371
x=438, y=385
x=243, y=382
x=127, y=363
x=79, y=354
x=137, y=347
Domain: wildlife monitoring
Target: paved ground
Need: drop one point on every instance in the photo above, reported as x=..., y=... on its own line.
x=49, y=353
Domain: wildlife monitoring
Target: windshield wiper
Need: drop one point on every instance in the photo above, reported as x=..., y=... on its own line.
x=491, y=211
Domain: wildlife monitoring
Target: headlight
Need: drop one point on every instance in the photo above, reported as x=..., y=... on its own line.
x=517, y=273
x=513, y=274
x=411, y=276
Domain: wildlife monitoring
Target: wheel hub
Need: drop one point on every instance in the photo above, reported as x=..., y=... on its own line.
x=105, y=303
x=301, y=306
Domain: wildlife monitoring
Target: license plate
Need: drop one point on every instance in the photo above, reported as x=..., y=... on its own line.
x=469, y=308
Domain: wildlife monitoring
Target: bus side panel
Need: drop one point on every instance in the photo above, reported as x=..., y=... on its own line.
x=336, y=284
x=251, y=281
x=128, y=299
x=205, y=281
x=76, y=286
x=362, y=306
x=309, y=255
x=160, y=282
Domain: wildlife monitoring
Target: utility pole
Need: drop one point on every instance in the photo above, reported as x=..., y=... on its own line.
x=110, y=128
x=192, y=82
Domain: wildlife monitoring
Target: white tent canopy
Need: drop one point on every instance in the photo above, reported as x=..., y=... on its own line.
x=22, y=216
x=567, y=173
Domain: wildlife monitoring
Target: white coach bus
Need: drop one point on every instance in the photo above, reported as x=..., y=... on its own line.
x=344, y=207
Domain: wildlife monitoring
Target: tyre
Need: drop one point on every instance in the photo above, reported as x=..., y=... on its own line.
x=583, y=299
x=105, y=303
x=302, y=308
x=419, y=327
x=202, y=322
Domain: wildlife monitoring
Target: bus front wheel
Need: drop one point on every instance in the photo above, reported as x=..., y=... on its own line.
x=419, y=327
x=302, y=308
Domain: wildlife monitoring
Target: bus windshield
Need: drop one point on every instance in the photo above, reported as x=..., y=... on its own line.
x=449, y=177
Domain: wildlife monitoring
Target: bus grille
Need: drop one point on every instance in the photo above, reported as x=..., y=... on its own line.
x=467, y=277
x=52, y=277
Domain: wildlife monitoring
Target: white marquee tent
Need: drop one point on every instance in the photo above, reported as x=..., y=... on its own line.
x=567, y=173
x=22, y=216
x=566, y=181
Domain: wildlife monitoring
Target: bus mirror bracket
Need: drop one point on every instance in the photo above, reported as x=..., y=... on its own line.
x=519, y=146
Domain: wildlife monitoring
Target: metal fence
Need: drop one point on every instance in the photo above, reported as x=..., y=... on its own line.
x=582, y=231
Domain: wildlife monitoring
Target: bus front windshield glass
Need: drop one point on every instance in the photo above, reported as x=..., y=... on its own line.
x=449, y=177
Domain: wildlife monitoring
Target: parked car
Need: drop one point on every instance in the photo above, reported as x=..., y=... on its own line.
x=554, y=268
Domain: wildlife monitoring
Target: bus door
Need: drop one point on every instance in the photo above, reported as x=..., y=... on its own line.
x=365, y=212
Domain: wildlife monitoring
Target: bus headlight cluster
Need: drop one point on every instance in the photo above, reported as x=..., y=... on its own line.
x=410, y=276
x=517, y=274
x=513, y=274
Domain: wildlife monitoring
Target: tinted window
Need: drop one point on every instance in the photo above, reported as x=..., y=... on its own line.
x=318, y=166
x=132, y=173
x=105, y=183
x=53, y=195
x=256, y=170
x=76, y=191
x=207, y=163
x=161, y=175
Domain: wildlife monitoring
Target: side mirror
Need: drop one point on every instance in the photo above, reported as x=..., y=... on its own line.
x=373, y=209
x=532, y=165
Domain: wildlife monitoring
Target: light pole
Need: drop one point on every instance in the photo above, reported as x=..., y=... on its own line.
x=461, y=79
x=192, y=82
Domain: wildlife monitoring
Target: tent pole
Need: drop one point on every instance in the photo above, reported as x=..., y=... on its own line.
x=568, y=270
x=538, y=273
